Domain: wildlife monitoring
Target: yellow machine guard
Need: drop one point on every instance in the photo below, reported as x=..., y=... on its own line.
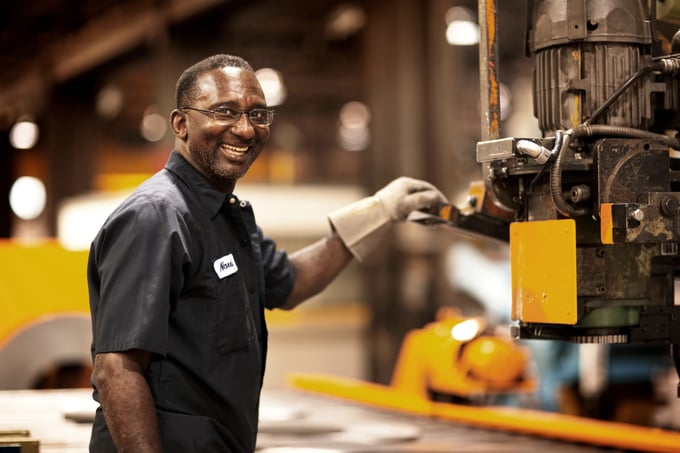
x=543, y=265
x=40, y=280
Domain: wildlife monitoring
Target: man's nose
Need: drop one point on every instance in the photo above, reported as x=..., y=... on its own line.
x=243, y=126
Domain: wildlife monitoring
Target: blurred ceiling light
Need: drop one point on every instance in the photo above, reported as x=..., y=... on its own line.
x=354, y=139
x=153, y=126
x=344, y=21
x=27, y=197
x=109, y=102
x=355, y=115
x=24, y=134
x=353, y=131
x=466, y=330
x=272, y=86
x=461, y=28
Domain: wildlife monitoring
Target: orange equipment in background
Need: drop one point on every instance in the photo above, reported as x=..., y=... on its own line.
x=40, y=280
x=460, y=357
x=45, y=323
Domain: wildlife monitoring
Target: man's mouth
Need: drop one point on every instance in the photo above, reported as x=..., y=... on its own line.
x=240, y=150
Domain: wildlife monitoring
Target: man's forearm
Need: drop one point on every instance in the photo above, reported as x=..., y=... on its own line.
x=127, y=404
x=316, y=266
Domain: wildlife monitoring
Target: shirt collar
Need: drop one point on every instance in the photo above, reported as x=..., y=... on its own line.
x=211, y=198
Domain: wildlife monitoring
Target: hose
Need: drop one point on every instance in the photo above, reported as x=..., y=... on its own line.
x=667, y=65
x=556, y=184
x=590, y=130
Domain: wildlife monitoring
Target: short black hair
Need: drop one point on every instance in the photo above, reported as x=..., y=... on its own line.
x=185, y=90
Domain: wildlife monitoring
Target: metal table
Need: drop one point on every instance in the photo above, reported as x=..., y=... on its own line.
x=291, y=420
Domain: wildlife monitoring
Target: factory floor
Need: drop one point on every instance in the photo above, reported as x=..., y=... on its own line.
x=291, y=420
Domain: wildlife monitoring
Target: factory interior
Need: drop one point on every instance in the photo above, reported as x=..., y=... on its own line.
x=365, y=91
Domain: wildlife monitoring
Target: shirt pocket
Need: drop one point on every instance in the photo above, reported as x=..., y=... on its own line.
x=235, y=327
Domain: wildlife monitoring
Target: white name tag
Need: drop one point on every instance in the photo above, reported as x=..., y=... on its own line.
x=225, y=266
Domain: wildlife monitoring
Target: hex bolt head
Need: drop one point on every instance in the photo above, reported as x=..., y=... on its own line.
x=638, y=215
x=669, y=206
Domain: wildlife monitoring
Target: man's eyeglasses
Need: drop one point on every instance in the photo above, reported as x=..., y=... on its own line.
x=258, y=117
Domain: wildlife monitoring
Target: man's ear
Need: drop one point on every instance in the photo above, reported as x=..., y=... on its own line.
x=178, y=124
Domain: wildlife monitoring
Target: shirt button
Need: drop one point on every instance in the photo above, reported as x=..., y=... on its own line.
x=232, y=200
x=243, y=203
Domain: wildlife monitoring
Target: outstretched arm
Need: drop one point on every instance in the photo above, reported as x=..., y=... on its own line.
x=357, y=229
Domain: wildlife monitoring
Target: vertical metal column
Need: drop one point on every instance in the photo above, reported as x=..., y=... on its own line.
x=488, y=70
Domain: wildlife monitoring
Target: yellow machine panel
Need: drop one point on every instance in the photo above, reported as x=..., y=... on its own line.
x=39, y=280
x=543, y=264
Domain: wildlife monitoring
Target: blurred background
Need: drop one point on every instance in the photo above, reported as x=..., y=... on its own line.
x=364, y=91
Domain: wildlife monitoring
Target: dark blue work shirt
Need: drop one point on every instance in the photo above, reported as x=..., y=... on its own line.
x=183, y=271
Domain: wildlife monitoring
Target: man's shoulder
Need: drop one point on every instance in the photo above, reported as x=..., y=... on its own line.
x=161, y=192
x=163, y=187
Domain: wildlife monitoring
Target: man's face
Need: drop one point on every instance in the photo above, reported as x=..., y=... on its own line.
x=222, y=152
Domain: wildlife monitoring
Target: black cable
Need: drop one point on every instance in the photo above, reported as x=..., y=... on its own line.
x=615, y=95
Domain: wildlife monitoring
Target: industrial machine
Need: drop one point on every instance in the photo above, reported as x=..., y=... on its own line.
x=461, y=359
x=592, y=207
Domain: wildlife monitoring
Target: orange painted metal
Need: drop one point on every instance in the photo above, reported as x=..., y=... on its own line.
x=543, y=264
x=525, y=421
x=40, y=280
x=433, y=359
x=606, y=223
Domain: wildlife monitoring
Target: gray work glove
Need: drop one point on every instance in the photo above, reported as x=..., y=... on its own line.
x=363, y=223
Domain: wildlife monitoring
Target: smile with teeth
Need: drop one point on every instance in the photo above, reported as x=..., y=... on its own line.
x=235, y=149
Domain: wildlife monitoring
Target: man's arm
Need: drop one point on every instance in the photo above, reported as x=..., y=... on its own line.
x=357, y=228
x=315, y=267
x=126, y=400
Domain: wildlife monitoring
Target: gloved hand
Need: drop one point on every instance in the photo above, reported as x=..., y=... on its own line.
x=362, y=224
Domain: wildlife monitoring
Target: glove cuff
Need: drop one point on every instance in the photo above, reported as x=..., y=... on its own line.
x=361, y=225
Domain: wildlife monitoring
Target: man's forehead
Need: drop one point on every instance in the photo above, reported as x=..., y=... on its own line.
x=231, y=71
x=229, y=79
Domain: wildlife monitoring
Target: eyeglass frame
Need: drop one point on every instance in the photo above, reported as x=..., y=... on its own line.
x=214, y=112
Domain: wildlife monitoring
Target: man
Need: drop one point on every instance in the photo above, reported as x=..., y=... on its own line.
x=180, y=274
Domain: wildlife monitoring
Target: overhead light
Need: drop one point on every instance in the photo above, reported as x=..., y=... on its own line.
x=272, y=85
x=109, y=101
x=24, y=134
x=153, y=126
x=27, y=197
x=345, y=20
x=461, y=28
x=353, y=130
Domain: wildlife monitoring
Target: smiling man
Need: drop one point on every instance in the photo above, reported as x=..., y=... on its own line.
x=180, y=275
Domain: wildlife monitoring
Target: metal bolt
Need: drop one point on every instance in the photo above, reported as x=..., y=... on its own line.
x=580, y=193
x=669, y=206
x=638, y=215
